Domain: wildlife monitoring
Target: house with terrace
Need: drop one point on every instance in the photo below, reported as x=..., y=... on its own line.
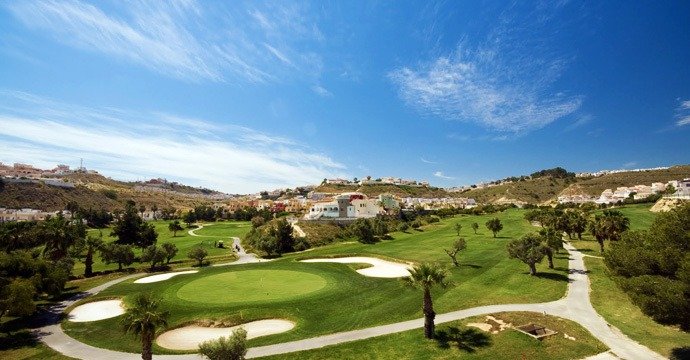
x=346, y=206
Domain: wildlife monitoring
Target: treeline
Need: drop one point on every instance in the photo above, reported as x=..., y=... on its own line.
x=35, y=261
x=208, y=213
x=37, y=258
x=274, y=237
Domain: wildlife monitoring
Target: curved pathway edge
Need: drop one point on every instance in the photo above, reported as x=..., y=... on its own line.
x=574, y=306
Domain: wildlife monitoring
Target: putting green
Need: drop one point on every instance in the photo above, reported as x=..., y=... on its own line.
x=251, y=285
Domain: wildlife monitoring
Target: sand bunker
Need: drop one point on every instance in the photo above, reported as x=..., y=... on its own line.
x=189, y=337
x=379, y=268
x=481, y=326
x=161, y=277
x=97, y=310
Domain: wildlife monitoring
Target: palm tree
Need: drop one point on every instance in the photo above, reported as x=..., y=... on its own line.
x=143, y=320
x=608, y=226
x=91, y=244
x=424, y=277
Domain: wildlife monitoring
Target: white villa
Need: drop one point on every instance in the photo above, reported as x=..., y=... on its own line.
x=351, y=205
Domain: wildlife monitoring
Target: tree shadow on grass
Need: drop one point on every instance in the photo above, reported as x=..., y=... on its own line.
x=552, y=276
x=468, y=340
x=473, y=266
x=680, y=353
x=17, y=340
x=561, y=269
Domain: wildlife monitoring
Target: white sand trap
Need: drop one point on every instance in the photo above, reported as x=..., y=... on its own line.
x=379, y=268
x=162, y=277
x=481, y=326
x=189, y=337
x=97, y=310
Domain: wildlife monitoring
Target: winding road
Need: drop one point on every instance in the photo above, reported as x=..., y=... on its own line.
x=574, y=306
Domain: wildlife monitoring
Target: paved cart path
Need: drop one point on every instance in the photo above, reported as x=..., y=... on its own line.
x=575, y=306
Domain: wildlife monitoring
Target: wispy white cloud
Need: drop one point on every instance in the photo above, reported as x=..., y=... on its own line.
x=321, y=91
x=185, y=39
x=279, y=55
x=122, y=144
x=499, y=83
x=683, y=113
x=439, y=174
x=580, y=121
x=629, y=164
x=428, y=161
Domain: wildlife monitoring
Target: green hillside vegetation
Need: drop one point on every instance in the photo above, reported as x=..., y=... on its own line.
x=615, y=306
x=319, y=234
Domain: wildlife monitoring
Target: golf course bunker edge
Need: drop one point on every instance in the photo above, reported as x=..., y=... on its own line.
x=189, y=337
x=97, y=310
x=379, y=267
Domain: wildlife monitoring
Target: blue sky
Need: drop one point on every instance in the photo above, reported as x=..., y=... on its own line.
x=244, y=96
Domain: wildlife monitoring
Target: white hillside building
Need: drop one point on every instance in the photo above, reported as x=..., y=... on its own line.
x=345, y=206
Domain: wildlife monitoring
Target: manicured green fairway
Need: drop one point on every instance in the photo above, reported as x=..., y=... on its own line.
x=251, y=285
x=349, y=300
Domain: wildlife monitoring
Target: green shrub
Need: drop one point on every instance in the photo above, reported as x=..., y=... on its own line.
x=230, y=348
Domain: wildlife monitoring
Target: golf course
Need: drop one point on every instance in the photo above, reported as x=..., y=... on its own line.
x=305, y=295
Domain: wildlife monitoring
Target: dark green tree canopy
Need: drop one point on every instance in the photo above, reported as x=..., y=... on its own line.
x=131, y=229
x=654, y=267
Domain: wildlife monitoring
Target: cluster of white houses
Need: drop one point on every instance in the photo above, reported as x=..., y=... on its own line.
x=638, y=192
x=389, y=180
x=29, y=214
x=355, y=205
x=19, y=170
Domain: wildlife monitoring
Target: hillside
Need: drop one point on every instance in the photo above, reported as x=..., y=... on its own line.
x=594, y=186
x=50, y=198
x=537, y=190
x=98, y=192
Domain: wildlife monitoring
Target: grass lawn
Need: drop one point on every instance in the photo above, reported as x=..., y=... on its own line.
x=613, y=304
x=17, y=341
x=15, y=347
x=348, y=300
x=507, y=344
x=251, y=285
x=208, y=236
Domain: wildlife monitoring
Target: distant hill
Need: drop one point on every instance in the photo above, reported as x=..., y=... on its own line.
x=594, y=186
x=538, y=188
x=50, y=198
x=533, y=191
x=98, y=192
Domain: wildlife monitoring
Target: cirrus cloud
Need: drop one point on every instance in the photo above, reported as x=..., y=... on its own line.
x=134, y=145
